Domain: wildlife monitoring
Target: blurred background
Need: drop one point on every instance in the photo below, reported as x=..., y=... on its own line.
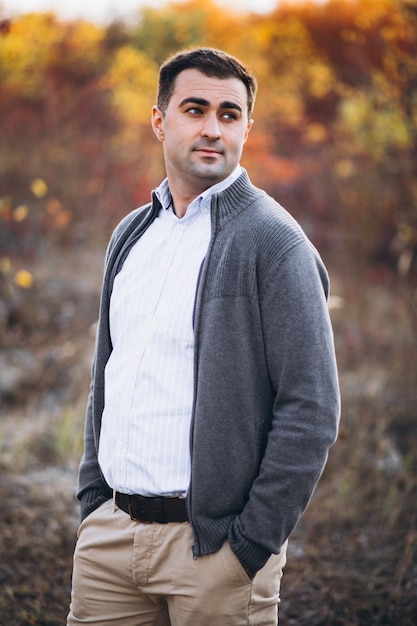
x=335, y=142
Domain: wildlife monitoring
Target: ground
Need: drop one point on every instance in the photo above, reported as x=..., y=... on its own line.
x=353, y=557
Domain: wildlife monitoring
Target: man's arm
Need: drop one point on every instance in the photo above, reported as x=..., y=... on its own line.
x=301, y=361
x=93, y=490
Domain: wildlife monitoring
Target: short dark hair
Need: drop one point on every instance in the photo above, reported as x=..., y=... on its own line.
x=209, y=61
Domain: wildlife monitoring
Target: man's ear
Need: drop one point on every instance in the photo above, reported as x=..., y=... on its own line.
x=249, y=126
x=158, y=122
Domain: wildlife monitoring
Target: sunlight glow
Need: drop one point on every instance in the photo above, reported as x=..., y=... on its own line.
x=107, y=10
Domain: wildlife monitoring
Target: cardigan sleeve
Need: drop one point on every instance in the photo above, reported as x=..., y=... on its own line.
x=93, y=490
x=301, y=362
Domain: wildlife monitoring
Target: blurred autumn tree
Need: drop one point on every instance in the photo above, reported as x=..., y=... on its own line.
x=66, y=168
x=335, y=138
x=371, y=48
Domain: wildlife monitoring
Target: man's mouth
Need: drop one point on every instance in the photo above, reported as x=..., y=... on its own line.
x=207, y=151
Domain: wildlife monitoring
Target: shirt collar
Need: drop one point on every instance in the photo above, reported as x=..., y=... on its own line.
x=203, y=200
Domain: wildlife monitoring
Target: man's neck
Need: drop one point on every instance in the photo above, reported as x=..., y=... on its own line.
x=180, y=205
x=182, y=198
x=182, y=194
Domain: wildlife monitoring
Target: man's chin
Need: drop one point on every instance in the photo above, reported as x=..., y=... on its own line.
x=210, y=172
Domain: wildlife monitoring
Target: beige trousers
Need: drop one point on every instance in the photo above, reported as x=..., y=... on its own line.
x=129, y=573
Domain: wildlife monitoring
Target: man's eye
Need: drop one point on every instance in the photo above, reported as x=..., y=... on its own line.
x=229, y=116
x=194, y=111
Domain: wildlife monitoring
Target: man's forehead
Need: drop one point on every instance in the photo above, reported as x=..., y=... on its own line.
x=191, y=83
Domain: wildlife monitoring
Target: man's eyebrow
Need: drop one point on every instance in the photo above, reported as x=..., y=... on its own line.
x=231, y=105
x=205, y=103
x=194, y=100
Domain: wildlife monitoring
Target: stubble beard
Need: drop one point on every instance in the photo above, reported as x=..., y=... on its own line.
x=206, y=169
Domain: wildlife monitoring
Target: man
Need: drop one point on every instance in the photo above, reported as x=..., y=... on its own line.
x=214, y=395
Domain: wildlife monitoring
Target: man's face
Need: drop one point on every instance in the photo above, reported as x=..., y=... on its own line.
x=203, y=130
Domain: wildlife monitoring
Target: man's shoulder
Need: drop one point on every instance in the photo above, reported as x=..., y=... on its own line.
x=265, y=230
x=261, y=206
x=137, y=215
x=250, y=203
x=127, y=226
x=269, y=220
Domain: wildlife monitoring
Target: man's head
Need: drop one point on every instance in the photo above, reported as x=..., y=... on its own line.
x=210, y=62
x=202, y=118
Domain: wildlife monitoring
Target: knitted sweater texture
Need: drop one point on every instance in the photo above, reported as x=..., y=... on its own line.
x=266, y=396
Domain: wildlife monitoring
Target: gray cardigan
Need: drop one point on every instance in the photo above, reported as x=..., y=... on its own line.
x=266, y=397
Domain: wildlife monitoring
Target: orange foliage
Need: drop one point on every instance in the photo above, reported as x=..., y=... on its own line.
x=335, y=119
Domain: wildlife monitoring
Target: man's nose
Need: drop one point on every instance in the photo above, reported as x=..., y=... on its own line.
x=211, y=127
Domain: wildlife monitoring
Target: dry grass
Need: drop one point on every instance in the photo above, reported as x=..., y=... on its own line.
x=353, y=557
x=356, y=557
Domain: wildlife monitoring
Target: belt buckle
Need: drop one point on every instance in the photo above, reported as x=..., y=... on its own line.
x=129, y=509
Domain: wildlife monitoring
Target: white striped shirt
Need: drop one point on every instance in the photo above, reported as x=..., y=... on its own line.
x=144, y=440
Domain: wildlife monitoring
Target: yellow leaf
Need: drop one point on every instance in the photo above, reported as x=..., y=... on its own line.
x=63, y=218
x=316, y=133
x=345, y=168
x=23, y=279
x=39, y=187
x=20, y=213
x=5, y=265
x=53, y=206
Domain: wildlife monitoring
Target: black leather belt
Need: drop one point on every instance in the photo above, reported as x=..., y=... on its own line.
x=161, y=510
